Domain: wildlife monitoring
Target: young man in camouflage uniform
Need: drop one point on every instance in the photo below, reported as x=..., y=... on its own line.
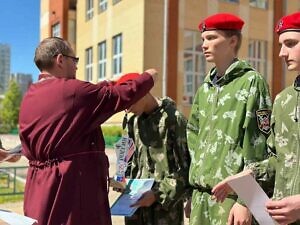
x=158, y=130
x=228, y=123
x=284, y=140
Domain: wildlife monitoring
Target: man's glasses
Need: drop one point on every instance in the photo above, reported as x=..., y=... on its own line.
x=75, y=59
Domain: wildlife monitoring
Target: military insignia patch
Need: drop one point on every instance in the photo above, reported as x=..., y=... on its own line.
x=203, y=27
x=279, y=25
x=263, y=117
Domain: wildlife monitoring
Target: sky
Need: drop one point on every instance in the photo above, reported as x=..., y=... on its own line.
x=19, y=28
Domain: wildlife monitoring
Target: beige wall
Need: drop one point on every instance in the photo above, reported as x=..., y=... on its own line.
x=44, y=19
x=126, y=17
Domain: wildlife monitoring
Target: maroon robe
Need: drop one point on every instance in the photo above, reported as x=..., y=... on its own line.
x=60, y=134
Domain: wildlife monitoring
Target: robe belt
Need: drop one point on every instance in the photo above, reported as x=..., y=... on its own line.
x=55, y=161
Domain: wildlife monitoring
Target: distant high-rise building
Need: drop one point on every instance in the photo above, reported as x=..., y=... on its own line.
x=4, y=67
x=23, y=80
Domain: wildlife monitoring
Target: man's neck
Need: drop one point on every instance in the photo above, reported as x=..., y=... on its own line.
x=152, y=104
x=222, y=67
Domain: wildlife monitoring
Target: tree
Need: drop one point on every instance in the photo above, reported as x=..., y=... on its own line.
x=9, y=114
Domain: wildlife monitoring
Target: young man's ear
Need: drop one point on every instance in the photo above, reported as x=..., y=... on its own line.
x=233, y=41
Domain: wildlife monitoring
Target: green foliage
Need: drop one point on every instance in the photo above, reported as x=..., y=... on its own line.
x=8, y=190
x=111, y=134
x=9, y=113
x=112, y=131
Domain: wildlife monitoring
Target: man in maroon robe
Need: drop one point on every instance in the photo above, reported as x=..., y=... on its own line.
x=60, y=120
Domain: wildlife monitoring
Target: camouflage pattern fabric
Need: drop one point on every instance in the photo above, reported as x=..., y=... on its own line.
x=225, y=134
x=161, y=153
x=284, y=143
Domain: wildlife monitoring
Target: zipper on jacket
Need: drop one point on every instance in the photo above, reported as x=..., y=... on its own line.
x=296, y=177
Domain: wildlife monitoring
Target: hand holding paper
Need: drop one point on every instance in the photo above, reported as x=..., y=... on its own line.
x=286, y=210
x=146, y=200
x=250, y=192
x=223, y=189
x=135, y=189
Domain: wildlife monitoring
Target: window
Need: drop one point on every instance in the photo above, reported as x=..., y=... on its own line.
x=56, y=30
x=263, y=4
x=194, y=65
x=117, y=54
x=102, y=5
x=234, y=1
x=116, y=1
x=89, y=9
x=102, y=60
x=89, y=64
x=257, y=55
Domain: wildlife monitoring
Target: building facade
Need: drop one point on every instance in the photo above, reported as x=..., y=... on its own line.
x=113, y=37
x=4, y=67
x=23, y=80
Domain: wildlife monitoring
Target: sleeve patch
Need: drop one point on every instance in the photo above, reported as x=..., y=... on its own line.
x=263, y=117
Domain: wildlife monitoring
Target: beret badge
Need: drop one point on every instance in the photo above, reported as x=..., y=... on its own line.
x=203, y=27
x=279, y=25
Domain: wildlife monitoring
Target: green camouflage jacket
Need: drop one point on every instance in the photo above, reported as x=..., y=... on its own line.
x=228, y=125
x=161, y=151
x=284, y=143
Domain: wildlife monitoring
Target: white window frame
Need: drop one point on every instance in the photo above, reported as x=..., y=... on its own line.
x=56, y=30
x=257, y=55
x=194, y=66
x=89, y=9
x=102, y=5
x=117, y=55
x=89, y=64
x=262, y=4
x=102, y=60
x=231, y=1
x=115, y=1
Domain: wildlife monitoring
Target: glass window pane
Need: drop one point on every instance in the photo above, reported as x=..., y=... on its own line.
x=194, y=64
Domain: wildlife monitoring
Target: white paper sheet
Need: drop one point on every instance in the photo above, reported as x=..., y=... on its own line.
x=15, y=219
x=254, y=197
x=135, y=189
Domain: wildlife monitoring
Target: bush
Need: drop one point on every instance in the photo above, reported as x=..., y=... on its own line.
x=111, y=134
x=112, y=131
x=4, y=128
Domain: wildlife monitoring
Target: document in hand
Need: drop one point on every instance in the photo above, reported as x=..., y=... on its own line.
x=135, y=188
x=16, y=151
x=15, y=219
x=254, y=197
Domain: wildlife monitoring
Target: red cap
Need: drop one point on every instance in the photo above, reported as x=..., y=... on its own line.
x=288, y=23
x=126, y=77
x=221, y=21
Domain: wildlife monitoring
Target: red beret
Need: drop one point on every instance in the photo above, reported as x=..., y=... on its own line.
x=221, y=21
x=288, y=23
x=126, y=77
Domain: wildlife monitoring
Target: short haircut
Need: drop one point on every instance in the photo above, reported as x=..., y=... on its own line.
x=238, y=34
x=48, y=49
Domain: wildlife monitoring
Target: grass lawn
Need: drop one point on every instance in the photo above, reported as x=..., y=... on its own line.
x=7, y=191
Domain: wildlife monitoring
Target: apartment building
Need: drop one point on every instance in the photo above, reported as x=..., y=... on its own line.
x=24, y=80
x=4, y=67
x=113, y=37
